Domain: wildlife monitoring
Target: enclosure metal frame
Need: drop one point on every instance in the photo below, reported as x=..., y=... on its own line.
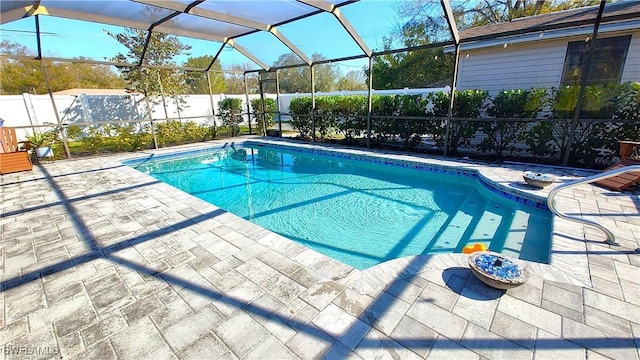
x=322, y=6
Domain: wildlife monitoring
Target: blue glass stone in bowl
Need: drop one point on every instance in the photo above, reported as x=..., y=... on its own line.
x=497, y=271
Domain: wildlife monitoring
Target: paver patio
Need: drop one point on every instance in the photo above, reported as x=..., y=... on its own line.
x=101, y=261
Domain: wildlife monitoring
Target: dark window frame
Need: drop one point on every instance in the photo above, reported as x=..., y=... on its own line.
x=607, y=51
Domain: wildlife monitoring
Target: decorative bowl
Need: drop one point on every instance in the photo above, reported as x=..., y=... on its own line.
x=537, y=179
x=497, y=271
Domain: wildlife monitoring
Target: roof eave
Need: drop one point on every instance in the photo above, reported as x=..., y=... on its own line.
x=633, y=25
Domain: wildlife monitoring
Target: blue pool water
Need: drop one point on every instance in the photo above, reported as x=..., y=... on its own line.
x=358, y=212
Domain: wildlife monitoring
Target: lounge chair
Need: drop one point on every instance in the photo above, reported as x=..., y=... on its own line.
x=629, y=155
x=11, y=158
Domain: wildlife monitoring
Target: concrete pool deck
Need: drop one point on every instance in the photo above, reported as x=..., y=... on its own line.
x=101, y=261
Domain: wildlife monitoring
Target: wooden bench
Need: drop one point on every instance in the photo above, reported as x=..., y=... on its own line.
x=11, y=158
x=629, y=155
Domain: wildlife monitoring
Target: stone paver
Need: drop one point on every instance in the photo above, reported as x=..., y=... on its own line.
x=98, y=260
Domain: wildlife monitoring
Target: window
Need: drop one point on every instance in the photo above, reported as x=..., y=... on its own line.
x=607, y=63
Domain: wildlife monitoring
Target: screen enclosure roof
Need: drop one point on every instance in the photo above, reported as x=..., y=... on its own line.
x=264, y=34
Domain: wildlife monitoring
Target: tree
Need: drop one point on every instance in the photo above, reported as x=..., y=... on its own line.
x=25, y=76
x=295, y=79
x=423, y=24
x=161, y=50
x=429, y=67
x=235, y=79
x=428, y=14
x=92, y=76
x=352, y=80
x=298, y=79
x=197, y=81
x=19, y=76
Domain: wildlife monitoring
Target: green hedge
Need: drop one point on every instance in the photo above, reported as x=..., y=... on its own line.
x=127, y=137
x=523, y=123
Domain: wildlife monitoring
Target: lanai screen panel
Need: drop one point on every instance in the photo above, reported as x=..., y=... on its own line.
x=314, y=29
x=200, y=27
x=328, y=39
x=380, y=22
x=23, y=33
x=232, y=59
x=200, y=51
x=382, y=28
x=123, y=13
x=267, y=48
x=61, y=39
x=266, y=11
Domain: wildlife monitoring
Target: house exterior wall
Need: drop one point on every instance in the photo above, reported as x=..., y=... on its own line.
x=527, y=65
x=632, y=65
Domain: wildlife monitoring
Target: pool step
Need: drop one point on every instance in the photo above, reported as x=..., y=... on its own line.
x=449, y=238
x=492, y=221
x=516, y=236
x=538, y=228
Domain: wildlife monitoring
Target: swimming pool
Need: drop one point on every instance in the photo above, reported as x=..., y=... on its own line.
x=360, y=210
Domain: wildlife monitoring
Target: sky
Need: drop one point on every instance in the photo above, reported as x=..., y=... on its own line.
x=372, y=19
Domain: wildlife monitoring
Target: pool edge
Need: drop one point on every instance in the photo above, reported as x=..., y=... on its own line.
x=558, y=269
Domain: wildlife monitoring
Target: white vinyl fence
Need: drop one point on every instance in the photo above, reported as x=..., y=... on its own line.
x=27, y=111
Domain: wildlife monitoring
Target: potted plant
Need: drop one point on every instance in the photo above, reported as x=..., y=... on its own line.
x=41, y=142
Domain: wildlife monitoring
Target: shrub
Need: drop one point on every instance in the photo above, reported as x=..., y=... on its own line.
x=94, y=140
x=128, y=139
x=269, y=114
x=625, y=102
x=174, y=132
x=382, y=127
x=73, y=132
x=501, y=135
x=169, y=133
x=468, y=104
x=348, y=115
x=324, y=118
x=229, y=110
x=538, y=119
x=300, y=110
x=410, y=131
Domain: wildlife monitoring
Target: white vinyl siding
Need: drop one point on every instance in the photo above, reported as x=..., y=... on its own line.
x=631, y=70
x=527, y=65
